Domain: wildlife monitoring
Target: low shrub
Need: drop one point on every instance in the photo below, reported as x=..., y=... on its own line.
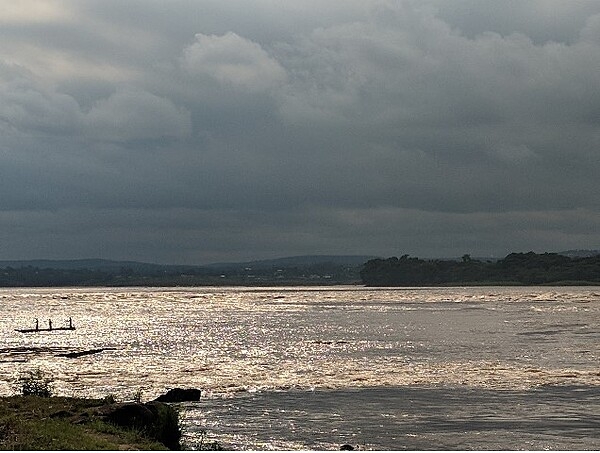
x=35, y=383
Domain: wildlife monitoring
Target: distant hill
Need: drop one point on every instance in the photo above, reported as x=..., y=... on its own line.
x=91, y=264
x=298, y=270
x=298, y=261
x=114, y=265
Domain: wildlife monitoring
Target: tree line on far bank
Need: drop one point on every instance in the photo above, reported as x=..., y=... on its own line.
x=516, y=268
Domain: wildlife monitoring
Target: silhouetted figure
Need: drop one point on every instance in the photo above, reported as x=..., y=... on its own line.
x=50, y=324
x=37, y=324
x=70, y=323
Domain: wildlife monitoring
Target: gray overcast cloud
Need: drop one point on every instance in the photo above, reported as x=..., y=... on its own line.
x=199, y=131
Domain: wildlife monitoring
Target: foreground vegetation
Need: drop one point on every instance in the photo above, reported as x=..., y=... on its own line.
x=58, y=423
x=516, y=269
x=36, y=420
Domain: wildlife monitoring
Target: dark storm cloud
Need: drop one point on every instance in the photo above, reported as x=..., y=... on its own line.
x=540, y=20
x=198, y=131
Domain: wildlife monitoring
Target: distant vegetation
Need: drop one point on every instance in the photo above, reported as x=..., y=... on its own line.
x=517, y=268
x=577, y=267
x=305, y=270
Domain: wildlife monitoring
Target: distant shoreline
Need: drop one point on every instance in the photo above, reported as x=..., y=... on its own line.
x=516, y=269
x=317, y=285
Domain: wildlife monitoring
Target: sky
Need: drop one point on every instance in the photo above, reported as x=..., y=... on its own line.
x=200, y=131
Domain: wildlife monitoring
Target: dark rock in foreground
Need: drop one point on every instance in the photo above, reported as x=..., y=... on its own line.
x=131, y=415
x=179, y=395
x=157, y=419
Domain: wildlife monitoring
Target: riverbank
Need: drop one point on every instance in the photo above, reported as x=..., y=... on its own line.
x=61, y=423
x=522, y=269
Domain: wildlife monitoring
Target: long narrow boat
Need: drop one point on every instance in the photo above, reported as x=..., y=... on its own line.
x=49, y=329
x=44, y=330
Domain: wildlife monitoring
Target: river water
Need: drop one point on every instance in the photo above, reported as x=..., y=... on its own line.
x=313, y=368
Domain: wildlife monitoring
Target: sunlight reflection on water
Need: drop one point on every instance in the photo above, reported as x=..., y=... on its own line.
x=231, y=340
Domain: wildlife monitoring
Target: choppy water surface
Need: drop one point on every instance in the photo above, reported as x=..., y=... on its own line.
x=311, y=368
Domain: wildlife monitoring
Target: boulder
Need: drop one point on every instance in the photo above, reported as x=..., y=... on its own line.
x=157, y=419
x=131, y=415
x=179, y=395
x=166, y=429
